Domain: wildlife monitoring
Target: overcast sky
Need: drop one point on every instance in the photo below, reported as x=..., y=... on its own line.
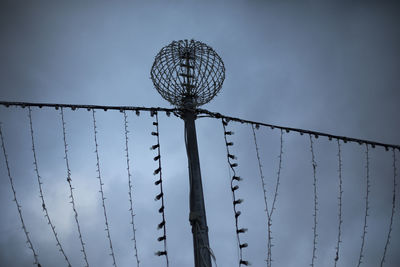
x=330, y=67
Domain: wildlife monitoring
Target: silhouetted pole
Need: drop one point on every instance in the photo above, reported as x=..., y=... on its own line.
x=189, y=74
x=197, y=216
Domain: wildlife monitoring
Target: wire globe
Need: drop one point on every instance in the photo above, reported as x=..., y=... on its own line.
x=188, y=73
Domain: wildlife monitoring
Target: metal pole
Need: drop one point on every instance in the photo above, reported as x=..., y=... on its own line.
x=197, y=216
x=189, y=74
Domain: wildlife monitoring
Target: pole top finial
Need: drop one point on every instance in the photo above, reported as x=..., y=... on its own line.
x=188, y=73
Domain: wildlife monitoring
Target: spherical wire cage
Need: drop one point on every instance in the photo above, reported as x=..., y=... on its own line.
x=188, y=73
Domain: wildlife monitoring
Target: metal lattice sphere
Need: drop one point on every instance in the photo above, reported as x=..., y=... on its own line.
x=188, y=73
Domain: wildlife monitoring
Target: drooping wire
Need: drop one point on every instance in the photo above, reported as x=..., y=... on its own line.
x=101, y=190
x=71, y=193
x=278, y=177
x=201, y=114
x=15, y=199
x=269, y=213
x=314, y=165
x=263, y=183
x=233, y=199
x=160, y=196
x=364, y=233
x=39, y=180
x=393, y=208
x=234, y=186
x=340, y=220
x=130, y=188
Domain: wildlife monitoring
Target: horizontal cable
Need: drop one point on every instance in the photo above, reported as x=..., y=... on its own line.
x=207, y=113
x=301, y=131
x=88, y=107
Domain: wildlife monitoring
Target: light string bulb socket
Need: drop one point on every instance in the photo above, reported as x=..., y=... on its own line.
x=130, y=186
x=234, y=187
x=159, y=182
x=71, y=193
x=101, y=191
x=41, y=194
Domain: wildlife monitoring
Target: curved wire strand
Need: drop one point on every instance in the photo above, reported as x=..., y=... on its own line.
x=278, y=177
x=130, y=188
x=364, y=233
x=160, y=196
x=234, y=187
x=107, y=229
x=314, y=165
x=71, y=193
x=340, y=220
x=393, y=209
x=41, y=195
x=202, y=113
x=263, y=183
x=15, y=199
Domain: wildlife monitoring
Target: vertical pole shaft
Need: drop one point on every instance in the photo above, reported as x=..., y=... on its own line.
x=197, y=216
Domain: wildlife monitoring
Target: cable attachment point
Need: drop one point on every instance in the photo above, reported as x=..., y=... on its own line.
x=161, y=253
x=159, y=196
x=231, y=156
x=154, y=147
x=242, y=230
x=161, y=225
x=244, y=245
x=157, y=171
x=246, y=263
x=237, y=214
x=236, y=178
x=238, y=201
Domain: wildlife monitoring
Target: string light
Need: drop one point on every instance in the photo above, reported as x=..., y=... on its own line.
x=130, y=187
x=159, y=182
x=234, y=180
x=278, y=178
x=15, y=199
x=39, y=180
x=393, y=209
x=345, y=139
x=107, y=229
x=236, y=202
x=339, y=238
x=71, y=193
x=199, y=112
x=265, y=196
x=314, y=165
x=366, y=206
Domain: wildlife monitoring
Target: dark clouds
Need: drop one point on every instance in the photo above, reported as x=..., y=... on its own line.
x=329, y=67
